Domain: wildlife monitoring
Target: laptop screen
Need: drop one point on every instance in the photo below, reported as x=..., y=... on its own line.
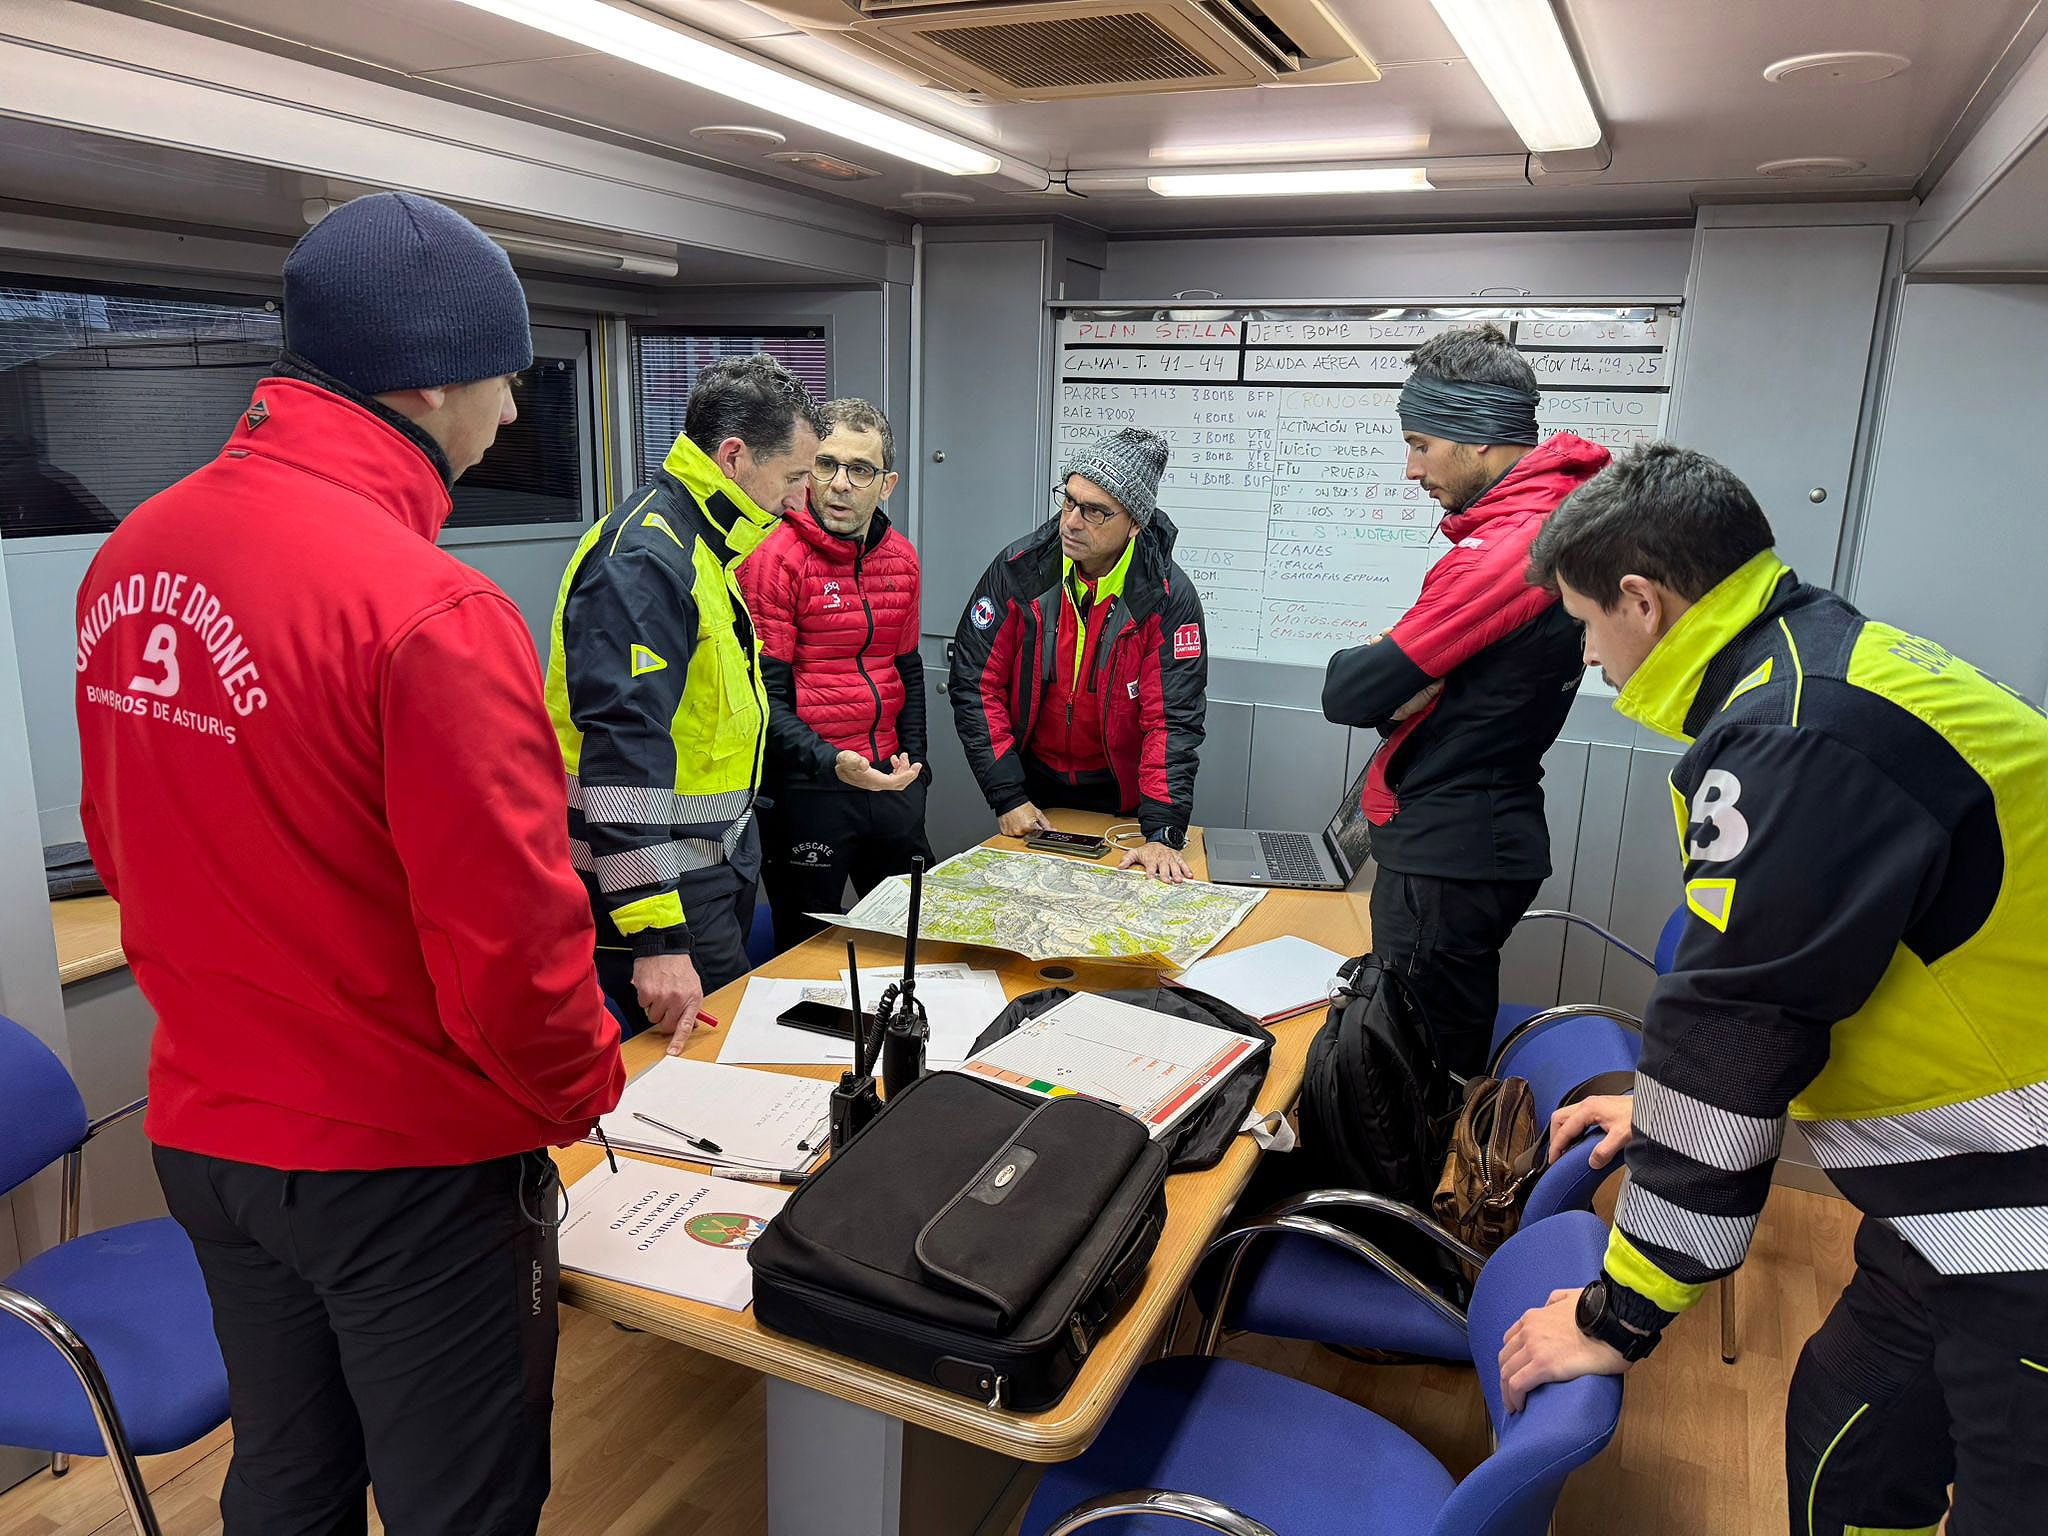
x=1349, y=834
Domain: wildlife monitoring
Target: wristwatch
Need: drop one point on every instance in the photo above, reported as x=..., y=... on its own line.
x=1597, y=1320
x=1171, y=837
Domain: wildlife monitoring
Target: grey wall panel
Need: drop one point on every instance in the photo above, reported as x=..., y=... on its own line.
x=109, y=1027
x=984, y=329
x=1646, y=876
x=955, y=817
x=44, y=576
x=1953, y=540
x=1557, y=264
x=1532, y=964
x=1223, y=787
x=1596, y=850
x=529, y=570
x=1297, y=771
x=1740, y=384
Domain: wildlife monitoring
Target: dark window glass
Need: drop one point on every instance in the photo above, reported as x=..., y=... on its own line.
x=107, y=396
x=533, y=473
x=666, y=363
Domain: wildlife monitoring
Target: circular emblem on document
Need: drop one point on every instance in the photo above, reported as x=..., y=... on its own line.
x=725, y=1229
x=983, y=613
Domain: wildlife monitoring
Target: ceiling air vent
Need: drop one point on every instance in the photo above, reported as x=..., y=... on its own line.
x=1058, y=50
x=1067, y=53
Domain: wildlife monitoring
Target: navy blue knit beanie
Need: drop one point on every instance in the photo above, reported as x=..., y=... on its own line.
x=394, y=291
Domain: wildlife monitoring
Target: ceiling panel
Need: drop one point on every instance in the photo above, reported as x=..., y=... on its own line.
x=1678, y=83
x=61, y=169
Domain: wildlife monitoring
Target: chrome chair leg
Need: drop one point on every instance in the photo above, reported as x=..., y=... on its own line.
x=1728, y=1323
x=1190, y=1508
x=86, y=1367
x=60, y=1463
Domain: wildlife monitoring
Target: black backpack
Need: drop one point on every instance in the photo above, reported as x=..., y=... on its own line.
x=1377, y=1102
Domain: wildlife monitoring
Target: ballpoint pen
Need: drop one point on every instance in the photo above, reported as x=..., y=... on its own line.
x=696, y=1141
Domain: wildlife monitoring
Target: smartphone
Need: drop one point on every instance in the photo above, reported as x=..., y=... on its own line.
x=1085, y=845
x=822, y=1019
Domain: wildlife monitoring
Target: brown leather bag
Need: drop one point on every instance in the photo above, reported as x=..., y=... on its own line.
x=1498, y=1148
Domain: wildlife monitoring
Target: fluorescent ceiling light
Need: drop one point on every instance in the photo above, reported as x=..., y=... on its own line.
x=1392, y=147
x=1363, y=178
x=1520, y=55
x=638, y=40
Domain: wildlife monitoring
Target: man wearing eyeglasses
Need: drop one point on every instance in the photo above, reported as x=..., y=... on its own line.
x=833, y=593
x=1080, y=676
x=654, y=682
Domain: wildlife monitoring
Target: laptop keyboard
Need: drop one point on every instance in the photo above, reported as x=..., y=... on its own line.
x=1290, y=856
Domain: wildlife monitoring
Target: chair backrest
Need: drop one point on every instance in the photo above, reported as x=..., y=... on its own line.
x=1555, y=1061
x=1564, y=1425
x=41, y=1115
x=761, y=936
x=1666, y=952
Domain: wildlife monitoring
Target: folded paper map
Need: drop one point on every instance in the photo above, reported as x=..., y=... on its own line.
x=1045, y=907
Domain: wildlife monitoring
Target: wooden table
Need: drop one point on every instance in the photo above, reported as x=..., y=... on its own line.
x=88, y=930
x=833, y=1421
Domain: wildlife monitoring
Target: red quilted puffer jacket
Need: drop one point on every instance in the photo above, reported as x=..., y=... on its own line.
x=837, y=623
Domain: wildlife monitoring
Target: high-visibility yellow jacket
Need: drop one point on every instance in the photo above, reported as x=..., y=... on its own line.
x=1866, y=867
x=654, y=684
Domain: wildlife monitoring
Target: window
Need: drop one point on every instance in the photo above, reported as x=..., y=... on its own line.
x=666, y=363
x=108, y=395
x=533, y=473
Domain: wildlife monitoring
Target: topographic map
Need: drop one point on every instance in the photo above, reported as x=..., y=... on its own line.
x=1045, y=907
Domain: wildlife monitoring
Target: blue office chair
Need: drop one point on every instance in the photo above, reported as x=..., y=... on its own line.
x=1231, y=1448
x=1510, y=1017
x=1514, y=1021
x=761, y=935
x=1325, y=1283
x=106, y=1340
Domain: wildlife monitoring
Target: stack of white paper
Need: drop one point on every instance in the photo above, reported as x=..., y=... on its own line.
x=668, y=1230
x=959, y=1002
x=1267, y=981
x=753, y=1119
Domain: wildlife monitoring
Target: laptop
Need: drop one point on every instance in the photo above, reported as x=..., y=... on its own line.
x=1295, y=860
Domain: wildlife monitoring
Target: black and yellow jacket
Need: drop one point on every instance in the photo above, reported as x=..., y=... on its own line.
x=1861, y=818
x=654, y=683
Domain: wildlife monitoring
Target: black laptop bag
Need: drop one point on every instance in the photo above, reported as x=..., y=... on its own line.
x=970, y=1238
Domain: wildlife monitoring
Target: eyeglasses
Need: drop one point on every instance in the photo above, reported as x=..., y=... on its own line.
x=1092, y=512
x=825, y=469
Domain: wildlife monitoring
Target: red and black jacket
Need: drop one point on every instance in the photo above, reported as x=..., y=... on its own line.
x=319, y=778
x=837, y=622
x=1150, y=668
x=1456, y=790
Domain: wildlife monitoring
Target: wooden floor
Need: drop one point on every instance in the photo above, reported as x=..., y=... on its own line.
x=650, y=1438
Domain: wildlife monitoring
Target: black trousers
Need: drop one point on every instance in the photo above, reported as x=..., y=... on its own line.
x=1915, y=1381
x=1048, y=790
x=718, y=909
x=1445, y=936
x=393, y=1328
x=819, y=836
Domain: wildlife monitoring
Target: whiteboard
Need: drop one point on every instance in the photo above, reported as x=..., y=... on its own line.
x=1285, y=476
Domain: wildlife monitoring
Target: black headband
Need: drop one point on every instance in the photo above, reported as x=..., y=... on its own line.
x=1467, y=412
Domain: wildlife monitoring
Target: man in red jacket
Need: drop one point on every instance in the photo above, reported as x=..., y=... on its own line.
x=1470, y=687
x=320, y=782
x=833, y=594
